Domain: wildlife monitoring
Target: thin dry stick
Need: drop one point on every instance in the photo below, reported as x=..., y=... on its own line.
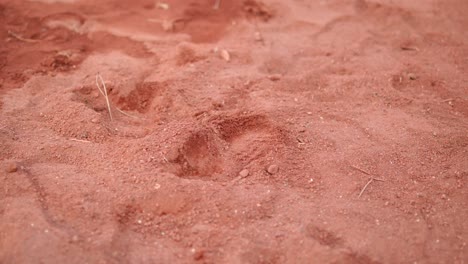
x=367, y=184
x=18, y=37
x=118, y=109
x=80, y=140
x=127, y=114
x=104, y=93
x=359, y=169
x=164, y=157
x=378, y=179
x=410, y=48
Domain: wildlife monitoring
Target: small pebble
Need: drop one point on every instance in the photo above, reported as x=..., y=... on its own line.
x=163, y=6
x=412, y=76
x=12, y=167
x=272, y=169
x=94, y=120
x=258, y=36
x=75, y=238
x=244, y=173
x=225, y=55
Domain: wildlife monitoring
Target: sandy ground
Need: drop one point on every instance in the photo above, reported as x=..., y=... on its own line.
x=290, y=131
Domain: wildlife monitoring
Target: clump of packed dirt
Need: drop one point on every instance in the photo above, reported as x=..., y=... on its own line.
x=239, y=131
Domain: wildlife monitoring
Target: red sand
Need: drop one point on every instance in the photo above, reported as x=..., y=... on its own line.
x=331, y=93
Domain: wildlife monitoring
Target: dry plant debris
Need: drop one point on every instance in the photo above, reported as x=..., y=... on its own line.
x=103, y=91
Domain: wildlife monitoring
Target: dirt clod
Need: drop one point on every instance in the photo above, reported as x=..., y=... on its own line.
x=11, y=167
x=274, y=77
x=273, y=169
x=198, y=255
x=244, y=173
x=412, y=76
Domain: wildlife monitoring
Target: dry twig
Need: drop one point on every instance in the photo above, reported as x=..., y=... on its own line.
x=369, y=182
x=104, y=93
x=127, y=114
x=164, y=158
x=409, y=48
x=18, y=37
x=359, y=169
x=80, y=140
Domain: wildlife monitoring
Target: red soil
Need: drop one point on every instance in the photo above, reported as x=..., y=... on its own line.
x=316, y=99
